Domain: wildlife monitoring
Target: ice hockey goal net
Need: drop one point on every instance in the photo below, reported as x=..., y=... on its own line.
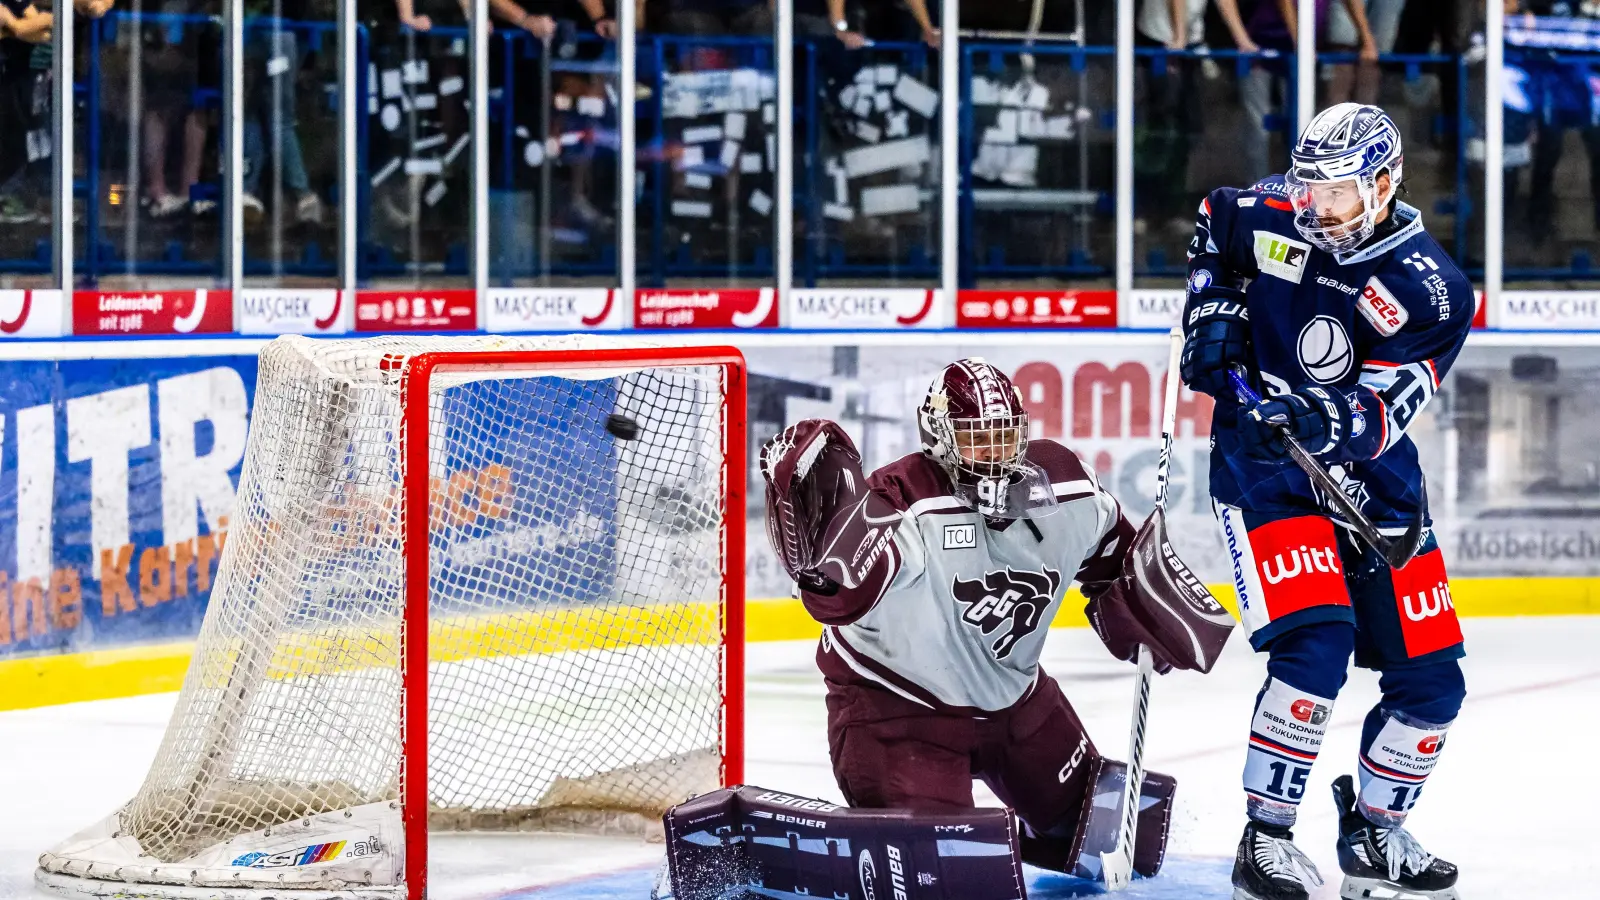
x=472, y=583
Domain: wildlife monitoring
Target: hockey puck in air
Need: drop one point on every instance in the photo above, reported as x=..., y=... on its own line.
x=622, y=427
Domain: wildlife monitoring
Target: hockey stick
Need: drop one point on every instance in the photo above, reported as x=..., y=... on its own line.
x=1397, y=552
x=1117, y=865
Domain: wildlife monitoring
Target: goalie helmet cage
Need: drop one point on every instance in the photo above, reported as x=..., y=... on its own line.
x=472, y=583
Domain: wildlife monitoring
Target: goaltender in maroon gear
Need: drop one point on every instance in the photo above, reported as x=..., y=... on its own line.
x=936, y=580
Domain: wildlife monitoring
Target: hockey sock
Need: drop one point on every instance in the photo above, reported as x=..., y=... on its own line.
x=1285, y=737
x=1403, y=736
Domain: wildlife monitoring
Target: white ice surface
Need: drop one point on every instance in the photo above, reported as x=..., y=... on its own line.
x=1514, y=799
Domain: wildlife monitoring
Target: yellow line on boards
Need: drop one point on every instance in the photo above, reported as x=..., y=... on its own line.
x=36, y=681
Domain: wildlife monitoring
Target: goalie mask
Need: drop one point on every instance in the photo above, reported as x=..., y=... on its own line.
x=1333, y=177
x=973, y=425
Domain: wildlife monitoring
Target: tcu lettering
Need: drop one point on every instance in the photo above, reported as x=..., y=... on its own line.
x=1428, y=603
x=1315, y=559
x=897, y=872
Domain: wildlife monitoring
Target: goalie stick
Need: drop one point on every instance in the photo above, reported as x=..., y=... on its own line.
x=1396, y=552
x=1116, y=866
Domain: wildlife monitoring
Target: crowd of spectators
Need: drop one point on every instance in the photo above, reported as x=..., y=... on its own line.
x=178, y=126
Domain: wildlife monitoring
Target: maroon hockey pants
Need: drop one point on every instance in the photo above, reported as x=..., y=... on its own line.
x=891, y=752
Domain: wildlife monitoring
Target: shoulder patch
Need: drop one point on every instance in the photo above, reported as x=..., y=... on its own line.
x=1281, y=256
x=1247, y=201
x=1381, y=308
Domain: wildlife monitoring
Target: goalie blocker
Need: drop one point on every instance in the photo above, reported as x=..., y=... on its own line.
x=749, y=837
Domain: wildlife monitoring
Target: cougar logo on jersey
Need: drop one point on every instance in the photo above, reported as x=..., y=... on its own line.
x=1006, y=597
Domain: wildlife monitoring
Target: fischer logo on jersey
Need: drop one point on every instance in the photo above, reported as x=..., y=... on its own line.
x=1310, y=712
x=1380, y=308
x=1006, y=596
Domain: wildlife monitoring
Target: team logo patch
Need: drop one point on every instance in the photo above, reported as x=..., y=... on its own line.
x=1199, y=281
x=960, y=537
x=1381, y=308
x=1006, y=598
x=1325, y=351
x=1281, y=257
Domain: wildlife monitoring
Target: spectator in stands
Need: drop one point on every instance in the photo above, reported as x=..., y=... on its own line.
x=1567, y=91
x=171, y=59
x=1360, y=82
x=271, y=69
x=25, y=103
x=1440, y=26
x=1172, y=118
x=898, y=20
x=1271, y=25
x=718, y=17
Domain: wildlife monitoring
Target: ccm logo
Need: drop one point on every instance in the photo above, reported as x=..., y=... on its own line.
x=960, y=537
x=1307, y=711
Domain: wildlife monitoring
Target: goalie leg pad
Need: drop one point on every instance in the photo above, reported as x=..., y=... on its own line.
x=1075, y=847
x=749, y=837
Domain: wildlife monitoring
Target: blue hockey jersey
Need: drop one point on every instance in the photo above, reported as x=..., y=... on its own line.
x=1383, y=323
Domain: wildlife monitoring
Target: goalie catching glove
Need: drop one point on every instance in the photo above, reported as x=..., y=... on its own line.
x=1158, y=602
x=828, y=528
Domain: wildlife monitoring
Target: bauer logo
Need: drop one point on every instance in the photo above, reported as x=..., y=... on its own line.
x=291, y=312
x=897, y=872
x=868, y=871
x=960, y=537
x=1310, y=712
x=1281, y=257
x=553, y=309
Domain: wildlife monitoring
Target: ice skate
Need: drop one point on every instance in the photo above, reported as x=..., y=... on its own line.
x=1385, y=863
x=1269, y=866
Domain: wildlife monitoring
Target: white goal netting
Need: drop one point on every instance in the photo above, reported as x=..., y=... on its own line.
x=576, y=602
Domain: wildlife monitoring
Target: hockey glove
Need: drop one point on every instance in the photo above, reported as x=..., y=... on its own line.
x=1216, y=334
x=1319, y=418
x=1111, y=616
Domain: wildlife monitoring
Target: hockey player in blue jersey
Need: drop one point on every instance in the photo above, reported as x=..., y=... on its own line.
x=1347, y=315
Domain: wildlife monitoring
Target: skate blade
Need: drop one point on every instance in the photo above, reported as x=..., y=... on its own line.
x=1376, y=889
x=1240, y=893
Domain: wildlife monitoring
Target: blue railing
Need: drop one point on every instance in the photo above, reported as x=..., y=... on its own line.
x=1081, y=210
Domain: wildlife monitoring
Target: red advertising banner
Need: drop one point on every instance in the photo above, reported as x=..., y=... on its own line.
x=416, y=310
x=706, y=308
x=199, y=311
x=1037, y=309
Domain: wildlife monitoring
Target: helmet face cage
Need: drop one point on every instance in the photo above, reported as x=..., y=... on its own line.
x=973, y=423
x=1333, y=182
